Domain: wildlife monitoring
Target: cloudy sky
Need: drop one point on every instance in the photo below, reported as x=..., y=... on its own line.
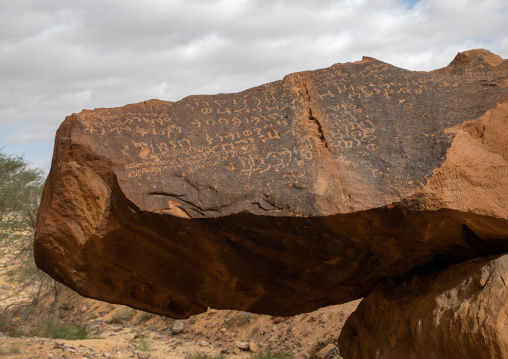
x=58, y=57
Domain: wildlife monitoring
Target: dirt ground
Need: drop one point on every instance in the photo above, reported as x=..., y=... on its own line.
x=122, y=332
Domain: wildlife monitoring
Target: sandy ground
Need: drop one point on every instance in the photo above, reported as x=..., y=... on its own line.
x=122, y=332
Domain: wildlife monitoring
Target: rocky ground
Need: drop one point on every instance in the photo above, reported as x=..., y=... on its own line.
x=122, y=332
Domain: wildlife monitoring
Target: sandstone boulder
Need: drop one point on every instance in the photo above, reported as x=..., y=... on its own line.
x=460, y=313
x=283, y=198
x=178, y=327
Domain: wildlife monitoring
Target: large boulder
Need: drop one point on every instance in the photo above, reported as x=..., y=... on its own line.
x=461, y=312
x=283, y=198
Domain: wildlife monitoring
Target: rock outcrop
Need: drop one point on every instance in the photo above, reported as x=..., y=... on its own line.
x=283, y=198
x=461, y=312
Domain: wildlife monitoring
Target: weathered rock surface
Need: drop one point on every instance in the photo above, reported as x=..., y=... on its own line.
x=461, y=312
x=282, y=198
x=178, y=327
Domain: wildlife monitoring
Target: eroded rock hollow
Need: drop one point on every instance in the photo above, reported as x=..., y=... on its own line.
x=283, y=198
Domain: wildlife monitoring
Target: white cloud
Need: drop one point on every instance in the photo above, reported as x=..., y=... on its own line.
x=58, y=57
x=43, y=164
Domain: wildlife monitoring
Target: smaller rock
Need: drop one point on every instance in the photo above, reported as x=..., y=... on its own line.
x=253, y=347
x=178, y=327
x=4, y=287
x=236, y=351
x=326, y=351
x=203, y=343
x=242, y=345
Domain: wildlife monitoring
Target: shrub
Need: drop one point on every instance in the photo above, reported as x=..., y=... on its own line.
x=144, y=345
x=50, y=328
x=8, y=326
x=5, y=322
x=201, y=355
x=269, y=355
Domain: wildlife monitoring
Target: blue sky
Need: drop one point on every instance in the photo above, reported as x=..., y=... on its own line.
x=58, y=57
x=411, y=3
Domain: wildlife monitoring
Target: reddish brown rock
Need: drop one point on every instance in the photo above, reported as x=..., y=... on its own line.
x=460, y=313
x=282, y=198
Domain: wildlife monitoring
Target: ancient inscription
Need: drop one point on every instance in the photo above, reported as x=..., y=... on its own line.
x=387, y=125
x=350, y=127
x=356, y=100
x=244, y=132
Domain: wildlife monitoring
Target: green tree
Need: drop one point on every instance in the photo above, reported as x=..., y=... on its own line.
x=20, y=192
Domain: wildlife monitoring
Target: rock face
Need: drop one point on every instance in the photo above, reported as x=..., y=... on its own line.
x=283, y=198
x=460, y=313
